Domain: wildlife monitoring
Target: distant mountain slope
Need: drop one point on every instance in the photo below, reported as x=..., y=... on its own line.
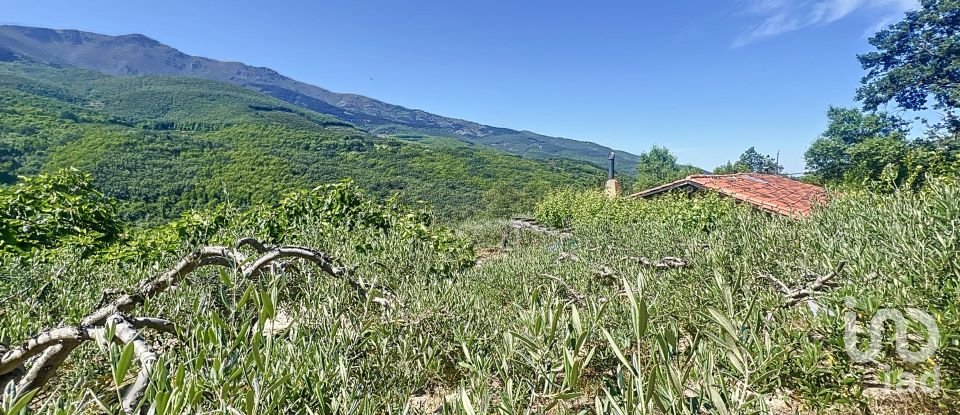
x=165, y=144
x=139, y=55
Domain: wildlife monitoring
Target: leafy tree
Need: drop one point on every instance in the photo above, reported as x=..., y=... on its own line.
x=856, y=146
x=48, y=211
x=8, y=163
x=751, y=162
x=659, y=166
x=759, y=163
x=917, y=60
x=731, y=168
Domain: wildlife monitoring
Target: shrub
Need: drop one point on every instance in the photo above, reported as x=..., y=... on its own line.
x=48, y=211
x=571, y=208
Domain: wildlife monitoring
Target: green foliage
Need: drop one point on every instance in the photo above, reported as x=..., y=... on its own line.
x=759, y=163
x=916, y=62
x=732, y=168
x=524, y=331
x=871, y=150
x=751, y=161
x=49, y=211
x=658, y=166
x=162, y=146
x=565, y=208
x=330, y=210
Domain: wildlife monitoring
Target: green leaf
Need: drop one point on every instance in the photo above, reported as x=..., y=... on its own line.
x=723, y=321
x=467, y=406
x=22, y=403
x=123, y=364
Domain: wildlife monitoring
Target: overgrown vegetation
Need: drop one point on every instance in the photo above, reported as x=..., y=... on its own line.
x=566, y=208
x=46, y=212
x=581, y=323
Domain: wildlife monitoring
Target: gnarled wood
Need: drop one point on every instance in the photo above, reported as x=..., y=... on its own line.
x=49, y=349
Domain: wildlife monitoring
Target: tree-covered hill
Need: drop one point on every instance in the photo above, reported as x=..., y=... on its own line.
x=140, y=55
x=163, y=144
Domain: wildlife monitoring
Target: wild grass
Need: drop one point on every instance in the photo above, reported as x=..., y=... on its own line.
x=548, y=325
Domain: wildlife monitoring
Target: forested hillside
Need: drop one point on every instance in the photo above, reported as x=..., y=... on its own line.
x=162, y=145
x=140, y=55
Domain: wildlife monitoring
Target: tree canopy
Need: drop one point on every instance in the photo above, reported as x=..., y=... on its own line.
x=658, y=166
x=917, y=61
x=916, y=67
x=751, y=161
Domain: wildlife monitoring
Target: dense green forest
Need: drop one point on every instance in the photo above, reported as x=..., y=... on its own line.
x=164, y=145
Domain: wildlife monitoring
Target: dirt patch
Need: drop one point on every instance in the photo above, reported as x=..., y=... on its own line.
x=487, y=253
x=432, y=401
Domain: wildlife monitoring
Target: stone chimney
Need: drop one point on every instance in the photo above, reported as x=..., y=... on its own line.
x=612, y=188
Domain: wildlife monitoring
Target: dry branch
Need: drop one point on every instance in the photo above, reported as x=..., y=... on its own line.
x=665, y=263
x=49, y=349
x=517, y=226
x=795, y=296
x=127, y=334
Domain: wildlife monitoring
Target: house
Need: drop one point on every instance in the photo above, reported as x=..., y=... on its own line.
x=768, y=192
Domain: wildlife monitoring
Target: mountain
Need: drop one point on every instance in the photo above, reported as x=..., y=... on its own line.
x=140, y=55
x=162, y=145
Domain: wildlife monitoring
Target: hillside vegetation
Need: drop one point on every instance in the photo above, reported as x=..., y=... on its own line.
x=625, y=314
x=164, y=145
x=140, y=55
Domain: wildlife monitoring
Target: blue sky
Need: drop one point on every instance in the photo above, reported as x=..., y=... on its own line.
x=705, y=78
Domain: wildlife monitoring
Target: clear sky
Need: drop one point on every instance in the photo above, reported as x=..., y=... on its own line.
x=705, y=78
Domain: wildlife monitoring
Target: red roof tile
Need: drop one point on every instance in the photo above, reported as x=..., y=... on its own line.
x=778, y=194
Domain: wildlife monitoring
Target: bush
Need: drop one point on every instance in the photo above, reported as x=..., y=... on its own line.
x=49, y=211
x=333, y=210
x=571, y=208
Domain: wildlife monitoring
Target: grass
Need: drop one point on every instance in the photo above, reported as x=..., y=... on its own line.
x=530, y=330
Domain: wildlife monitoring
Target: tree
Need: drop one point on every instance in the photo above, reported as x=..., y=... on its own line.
x=658, y=166
x=917, y=60
x=47, y=211
x=857, y=146
x=732, y=168
x=751, y=162
x=759, y=163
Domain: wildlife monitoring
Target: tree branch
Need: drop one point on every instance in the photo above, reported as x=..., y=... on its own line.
x=52, y=347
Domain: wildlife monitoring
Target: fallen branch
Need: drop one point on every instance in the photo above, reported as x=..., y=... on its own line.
x=49, y=349
x=517, y=226
x=795, y=296
x=126, y=333
x=665, y=263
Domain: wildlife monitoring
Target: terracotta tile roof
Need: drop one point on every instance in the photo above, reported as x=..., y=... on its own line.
x=773, y=193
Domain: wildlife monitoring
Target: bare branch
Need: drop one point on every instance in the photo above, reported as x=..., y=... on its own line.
x=127, y=334
x=793, y=297
x=776, y=282
x=210, y=255
x=55, y=345
x=158, y=324
x=38, y=344
x=665, y=263
x=254, y=243
x=43, y=369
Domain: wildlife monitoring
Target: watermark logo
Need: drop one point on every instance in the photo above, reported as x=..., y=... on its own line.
x=895, y=378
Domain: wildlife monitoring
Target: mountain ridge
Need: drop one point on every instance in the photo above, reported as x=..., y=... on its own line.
x=138, y=54
x=163, y=145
